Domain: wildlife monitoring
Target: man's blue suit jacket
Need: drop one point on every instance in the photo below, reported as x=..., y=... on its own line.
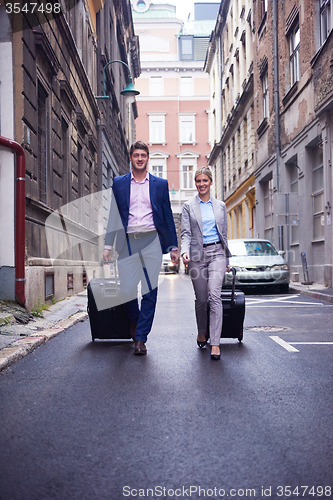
x=162, y=214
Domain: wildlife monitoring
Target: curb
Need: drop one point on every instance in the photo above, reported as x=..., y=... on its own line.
x=20, y=348
x=313, y=293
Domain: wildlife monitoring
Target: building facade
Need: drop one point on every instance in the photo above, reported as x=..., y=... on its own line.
x=174, y=96
x=270, y=67
x=229, y=63
x=70, y=138
x=293, y=113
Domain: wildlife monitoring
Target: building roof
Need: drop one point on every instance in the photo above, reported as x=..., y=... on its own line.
x=155, y=10
x=198, y=28
x=154, y=14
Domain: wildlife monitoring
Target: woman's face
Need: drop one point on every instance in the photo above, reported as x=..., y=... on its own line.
x=203, y=184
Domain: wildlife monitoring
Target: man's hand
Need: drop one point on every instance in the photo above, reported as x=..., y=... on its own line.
x=228, y=268
x=174, y=254
x=186, y=258
x=107, y=256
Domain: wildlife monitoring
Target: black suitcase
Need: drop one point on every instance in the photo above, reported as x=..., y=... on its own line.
x=233, y=311
x=109, y=320
x=233, y=302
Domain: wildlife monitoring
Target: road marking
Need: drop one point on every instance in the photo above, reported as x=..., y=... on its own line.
x=289, y=345
x=284, y=344
x=281, y=301
x=260, y=300
x=312, y=343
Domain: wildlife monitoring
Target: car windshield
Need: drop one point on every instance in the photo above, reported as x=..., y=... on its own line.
x=249, y=248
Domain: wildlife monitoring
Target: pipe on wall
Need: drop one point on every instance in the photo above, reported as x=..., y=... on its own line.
x=276, y=91
x=19, y=218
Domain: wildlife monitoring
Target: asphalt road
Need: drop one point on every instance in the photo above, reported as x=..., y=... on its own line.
x=90, y=421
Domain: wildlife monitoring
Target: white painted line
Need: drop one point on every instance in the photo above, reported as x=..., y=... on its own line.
x=284, y=344
x=280, y=301
x=312, y=343
x=260, y=300
x=285, y=305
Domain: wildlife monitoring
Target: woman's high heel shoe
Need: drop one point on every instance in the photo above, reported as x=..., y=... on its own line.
x=215, y=357
x=202, y=343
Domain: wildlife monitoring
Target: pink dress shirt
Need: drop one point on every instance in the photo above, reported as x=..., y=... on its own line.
x=140, y=217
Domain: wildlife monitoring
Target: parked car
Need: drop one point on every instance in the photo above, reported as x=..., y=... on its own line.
x=168, y=266
x=257, y=263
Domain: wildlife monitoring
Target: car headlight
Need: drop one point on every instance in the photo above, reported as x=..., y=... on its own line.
x=280, y=267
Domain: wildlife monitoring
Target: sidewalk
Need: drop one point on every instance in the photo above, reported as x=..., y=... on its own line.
x=315, y=290
x=21, y=333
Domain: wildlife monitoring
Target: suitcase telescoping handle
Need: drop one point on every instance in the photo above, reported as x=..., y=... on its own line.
x=112, y=262
x=233, y=270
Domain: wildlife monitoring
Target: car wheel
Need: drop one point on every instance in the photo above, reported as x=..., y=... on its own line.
x=240, y=336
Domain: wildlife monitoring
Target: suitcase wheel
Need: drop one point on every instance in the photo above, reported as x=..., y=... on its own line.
x=240, y=336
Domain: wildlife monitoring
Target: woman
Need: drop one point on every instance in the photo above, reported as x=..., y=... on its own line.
x=204, y=248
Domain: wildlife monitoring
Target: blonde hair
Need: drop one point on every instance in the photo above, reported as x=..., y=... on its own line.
x=205, y=171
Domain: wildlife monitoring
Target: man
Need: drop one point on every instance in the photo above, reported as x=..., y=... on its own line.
x=145, y=212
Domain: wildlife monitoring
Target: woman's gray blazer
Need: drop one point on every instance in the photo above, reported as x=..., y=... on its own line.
x=191, y=228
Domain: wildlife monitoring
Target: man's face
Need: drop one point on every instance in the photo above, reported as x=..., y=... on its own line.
x=139, y=160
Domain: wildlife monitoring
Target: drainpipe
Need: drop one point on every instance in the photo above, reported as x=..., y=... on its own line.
x=276, y=91
x=221, y=110
x=19, y=217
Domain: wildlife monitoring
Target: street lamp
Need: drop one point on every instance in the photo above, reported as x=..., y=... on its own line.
x=129, y=90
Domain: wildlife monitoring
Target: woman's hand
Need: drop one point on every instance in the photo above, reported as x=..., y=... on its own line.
x=186, y=258
x=228, y=268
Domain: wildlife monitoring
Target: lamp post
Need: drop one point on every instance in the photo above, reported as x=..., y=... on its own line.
x=128, y=91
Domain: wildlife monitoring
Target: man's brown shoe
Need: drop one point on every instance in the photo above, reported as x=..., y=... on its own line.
x=140, y=348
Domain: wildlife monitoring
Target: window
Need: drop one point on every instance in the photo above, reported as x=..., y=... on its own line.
x=263, y=8
x=158, y=164
x=156, y=87
x=187, y=167
x=325, y=20
x=186, y=47
x=187, y=176
x=70, y=281
x=157, y=170
x=268, y=209
x=186, y=86
x=294, y=189
x=265, y=96
x=187, y=129
x=64, y=158
x=49, y=285
x=42, y=144
x=294, y=45
x=157, y=128
x=318, y=196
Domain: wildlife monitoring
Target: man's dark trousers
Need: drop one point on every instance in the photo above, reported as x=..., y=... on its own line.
x=149, y=264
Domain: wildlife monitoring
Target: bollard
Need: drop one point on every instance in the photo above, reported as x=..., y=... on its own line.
x=305, y=270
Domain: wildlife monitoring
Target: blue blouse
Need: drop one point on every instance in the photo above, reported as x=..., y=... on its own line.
x=209, y=229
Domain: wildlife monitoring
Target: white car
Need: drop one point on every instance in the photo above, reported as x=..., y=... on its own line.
x=257, y=263
x=168, y=266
